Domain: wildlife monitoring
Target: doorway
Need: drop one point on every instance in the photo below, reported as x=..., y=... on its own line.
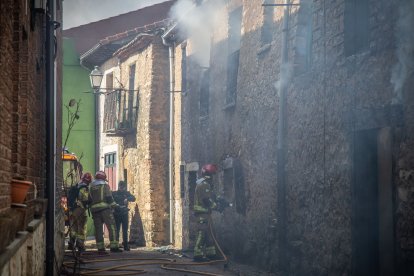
x=373, y=222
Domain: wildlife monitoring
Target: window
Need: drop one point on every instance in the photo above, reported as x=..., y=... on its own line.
x=266, y=34
x=205, y=93
x=235, y=20
x=184, y=68
x=356, y=26
x=109, y=105
x=110, y=169
x=121, y=106
x=129, y=97
x=304, y=37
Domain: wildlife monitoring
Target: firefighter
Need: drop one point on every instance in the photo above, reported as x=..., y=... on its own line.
x=78, y=216
x=102, y=204
x=204, y=203
x=122, y=197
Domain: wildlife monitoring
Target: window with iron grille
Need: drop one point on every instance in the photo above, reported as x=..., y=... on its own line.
x=205, y=93
x=121, y=108
x=356, y=26
x=266, y=34
x=109, y=106
x=235, y=20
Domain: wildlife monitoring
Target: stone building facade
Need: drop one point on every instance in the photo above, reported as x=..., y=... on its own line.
x=348, y=134
x=23, y=136
x=133, y=123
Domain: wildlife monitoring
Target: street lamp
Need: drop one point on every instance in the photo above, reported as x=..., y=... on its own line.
x=96, y=77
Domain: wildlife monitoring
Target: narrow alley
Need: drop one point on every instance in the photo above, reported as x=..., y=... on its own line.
x=209, y=137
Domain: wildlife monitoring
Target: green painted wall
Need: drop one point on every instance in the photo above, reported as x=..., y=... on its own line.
x=75, y=83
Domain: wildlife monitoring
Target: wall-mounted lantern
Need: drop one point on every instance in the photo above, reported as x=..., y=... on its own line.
x=96, y=77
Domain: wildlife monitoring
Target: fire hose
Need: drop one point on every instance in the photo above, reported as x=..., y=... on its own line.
x=165, y=263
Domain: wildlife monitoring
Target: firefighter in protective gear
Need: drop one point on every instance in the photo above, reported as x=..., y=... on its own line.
x=122, y=197
x=78, y=215
x=204, y=203
x=102, y=204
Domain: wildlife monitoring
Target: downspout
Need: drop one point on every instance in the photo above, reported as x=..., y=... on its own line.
x=171, y=50
x=50, y=138
x=281, y=177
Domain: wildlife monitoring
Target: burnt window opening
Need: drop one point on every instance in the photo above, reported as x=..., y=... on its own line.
x=205, y=94
x=233, y=184
x=304, y=37
x=266, y=34
x=356, y=26
x=184, y=68
x=235, y=21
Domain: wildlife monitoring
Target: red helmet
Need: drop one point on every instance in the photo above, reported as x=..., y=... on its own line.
x=100, y=175
x=86, y=177
x=209, y=169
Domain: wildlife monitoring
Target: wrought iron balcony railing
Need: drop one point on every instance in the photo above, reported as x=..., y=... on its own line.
x=120, y=112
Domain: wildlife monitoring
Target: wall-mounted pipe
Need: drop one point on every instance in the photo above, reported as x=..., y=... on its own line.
x=281, y=177
x=171, y=54
x=50, y=138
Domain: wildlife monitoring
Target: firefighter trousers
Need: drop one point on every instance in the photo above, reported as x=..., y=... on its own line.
x=99, y=219
x=78, y=220
x=204, y=246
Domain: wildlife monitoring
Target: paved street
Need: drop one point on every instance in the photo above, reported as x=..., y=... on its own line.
x=150, y=262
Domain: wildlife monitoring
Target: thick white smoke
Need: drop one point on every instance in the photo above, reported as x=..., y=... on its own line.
x=198, y=22
x=405, y=48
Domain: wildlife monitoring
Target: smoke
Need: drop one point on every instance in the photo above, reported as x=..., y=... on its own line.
x=79, y=12
x=198, y=22
x=405, y=48
x=286, y=72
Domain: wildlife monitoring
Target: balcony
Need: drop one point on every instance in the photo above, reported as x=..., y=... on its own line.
x=120, y=112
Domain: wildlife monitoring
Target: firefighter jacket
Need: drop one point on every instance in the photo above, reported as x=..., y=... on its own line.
x=100, y=196
x=122, y=197
x=83, y=196
x=204, y=198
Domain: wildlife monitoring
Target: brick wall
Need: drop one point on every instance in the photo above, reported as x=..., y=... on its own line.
x=23, y=104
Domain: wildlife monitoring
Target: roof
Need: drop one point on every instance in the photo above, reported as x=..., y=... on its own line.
x=86, y=36
x=107, y=46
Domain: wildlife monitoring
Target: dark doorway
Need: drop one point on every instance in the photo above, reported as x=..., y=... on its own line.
x=192, y=179
x=373, y=221
x=365, y=204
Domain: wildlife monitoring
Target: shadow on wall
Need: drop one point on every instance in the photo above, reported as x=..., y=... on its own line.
x=137, y=229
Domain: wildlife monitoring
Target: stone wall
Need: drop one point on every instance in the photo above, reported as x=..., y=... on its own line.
x=27, y=252
x=333, y=96
x=144, y=154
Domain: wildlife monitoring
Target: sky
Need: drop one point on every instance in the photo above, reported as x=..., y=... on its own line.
x=79, y=12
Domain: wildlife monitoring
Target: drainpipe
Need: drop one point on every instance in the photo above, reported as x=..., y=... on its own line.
x=281, y=177
x=171, y=49
x=50, y=139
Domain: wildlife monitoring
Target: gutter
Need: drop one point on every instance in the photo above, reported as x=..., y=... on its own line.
x=168, y=41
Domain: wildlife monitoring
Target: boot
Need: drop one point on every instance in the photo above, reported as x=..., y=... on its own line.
x=116, y=250
x=71, y=243
x=126, y=246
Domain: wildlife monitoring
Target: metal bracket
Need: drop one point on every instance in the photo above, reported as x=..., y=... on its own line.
x=279, y=5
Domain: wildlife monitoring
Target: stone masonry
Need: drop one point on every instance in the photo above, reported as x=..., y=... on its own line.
x=337, y=94
x=144, y=154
